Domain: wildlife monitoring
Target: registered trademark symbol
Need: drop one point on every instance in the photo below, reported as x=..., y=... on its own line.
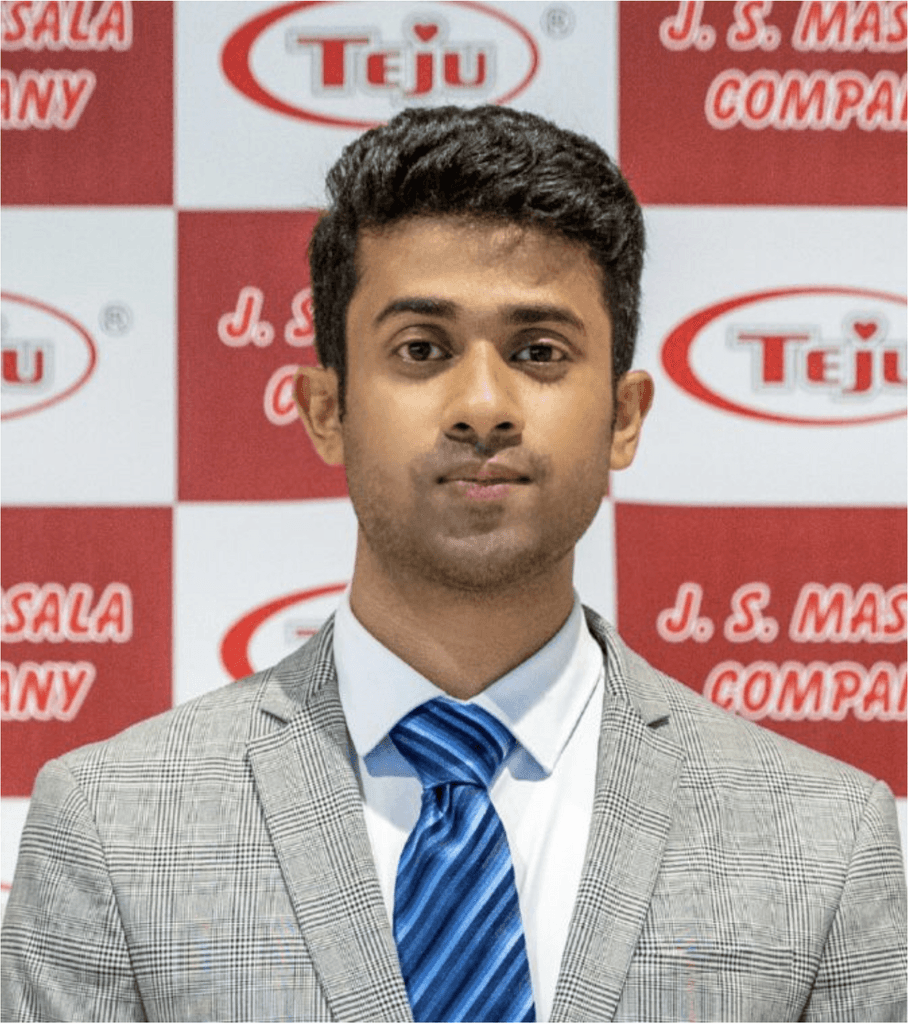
x=558, y=22
x=115, y=319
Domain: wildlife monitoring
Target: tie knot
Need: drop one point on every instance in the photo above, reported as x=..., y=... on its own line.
x=447, y=742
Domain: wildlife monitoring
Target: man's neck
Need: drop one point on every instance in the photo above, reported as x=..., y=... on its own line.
x=461, y=641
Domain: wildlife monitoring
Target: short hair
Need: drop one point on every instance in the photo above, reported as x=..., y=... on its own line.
x=489, y=163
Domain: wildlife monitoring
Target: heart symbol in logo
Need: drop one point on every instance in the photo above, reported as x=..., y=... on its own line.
x=425, y=32
x=865, y=329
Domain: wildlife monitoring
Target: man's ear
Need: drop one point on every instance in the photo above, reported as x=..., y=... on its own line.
x=316, y=392
x=634, y=396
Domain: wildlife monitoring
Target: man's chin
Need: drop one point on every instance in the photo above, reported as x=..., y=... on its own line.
x=485, y=569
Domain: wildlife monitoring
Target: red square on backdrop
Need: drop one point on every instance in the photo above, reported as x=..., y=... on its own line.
x=792, y=617
x=720, y=104
x=87, y=104
x=86, y=629
x=244, y=326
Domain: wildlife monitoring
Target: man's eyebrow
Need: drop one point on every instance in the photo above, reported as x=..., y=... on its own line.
x=513, y=315
x=425, y=306
x=536, y=314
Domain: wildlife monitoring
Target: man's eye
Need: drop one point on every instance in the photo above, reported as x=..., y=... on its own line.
x=540, y=352
x=419, y=351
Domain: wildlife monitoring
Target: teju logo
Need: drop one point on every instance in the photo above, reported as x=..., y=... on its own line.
x=47, y=355
x=355, y=65
x=811, y=356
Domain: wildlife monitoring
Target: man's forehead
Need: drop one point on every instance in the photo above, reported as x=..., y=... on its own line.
x=487, y=241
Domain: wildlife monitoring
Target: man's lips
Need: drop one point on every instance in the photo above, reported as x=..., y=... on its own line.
x=485, y=474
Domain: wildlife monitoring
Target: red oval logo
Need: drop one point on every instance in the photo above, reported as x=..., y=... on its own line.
x=47, y=355
x=810, y=356
x=354, y=65
x=237, y=647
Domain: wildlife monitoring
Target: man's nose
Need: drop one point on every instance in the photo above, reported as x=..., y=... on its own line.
x=483, y=406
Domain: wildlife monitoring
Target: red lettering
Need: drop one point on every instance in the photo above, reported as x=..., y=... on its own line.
x=112, y=619
x=794, y=691
x=47, y=621
x=56, y=613
x=772, y=359
x=850, y=89
x=865, y=615
x=681, y=622
x=820, y=26
x=35, y=95
x=24, y=365
x=819, y=613
x=897, y=33
x=757, y=689
x=14, y=24
x=279, y=399
x=896, y=626
x=16, y=604
x=802, y=100
x=330, y=57
x=75, y=681
x=847, y=686
x=300, y=331
x=46, y=28
x=48, y=99
x=244, y=324
x=723, y=97
x=53, y=25
x=880, y=108
x=867, y=27
x=383, y=68
x=892, y=367
x=79, y=25
x=878, y=701
x=79, y=628
x=113, y=26
x=766, y=99
x=44, y=691
x=425, y=74
x=683, y=30
x=32, y=698
x=722, y=683
x=746, y=621
x=759, y=100
x=820, y=366
x=800, y=697
x=454, y=74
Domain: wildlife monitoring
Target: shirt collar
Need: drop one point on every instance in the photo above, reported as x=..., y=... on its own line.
x=540, y=701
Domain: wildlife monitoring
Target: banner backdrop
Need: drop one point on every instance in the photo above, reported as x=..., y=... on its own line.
x=167, y=525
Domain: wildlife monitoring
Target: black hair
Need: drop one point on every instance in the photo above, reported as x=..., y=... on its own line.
x=489, y=163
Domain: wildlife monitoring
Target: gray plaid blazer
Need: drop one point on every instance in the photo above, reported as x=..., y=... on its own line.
x=213, y=864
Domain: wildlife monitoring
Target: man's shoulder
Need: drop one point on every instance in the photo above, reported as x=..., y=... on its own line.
x=215, y=727
x=722, y=749
x=216, y=724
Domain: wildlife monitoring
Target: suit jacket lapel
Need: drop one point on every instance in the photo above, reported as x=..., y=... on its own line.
x=305, y=778
x=638, y=770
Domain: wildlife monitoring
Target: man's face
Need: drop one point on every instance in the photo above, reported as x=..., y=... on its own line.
x=462, y=334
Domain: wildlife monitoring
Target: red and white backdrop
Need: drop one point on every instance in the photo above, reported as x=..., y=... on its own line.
x=167, y=526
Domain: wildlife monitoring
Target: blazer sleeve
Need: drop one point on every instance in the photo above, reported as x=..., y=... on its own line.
x=64, y=953
x=862, y=974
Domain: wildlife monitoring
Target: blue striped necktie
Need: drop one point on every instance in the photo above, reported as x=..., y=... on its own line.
x=456, y=915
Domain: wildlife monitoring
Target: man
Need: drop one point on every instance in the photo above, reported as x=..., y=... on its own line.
x=464, y=798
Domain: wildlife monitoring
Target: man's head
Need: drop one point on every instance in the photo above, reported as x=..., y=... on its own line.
x=487, y=163
x=476, y=286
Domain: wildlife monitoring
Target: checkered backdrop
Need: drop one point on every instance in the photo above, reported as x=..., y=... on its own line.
x=167, y=525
